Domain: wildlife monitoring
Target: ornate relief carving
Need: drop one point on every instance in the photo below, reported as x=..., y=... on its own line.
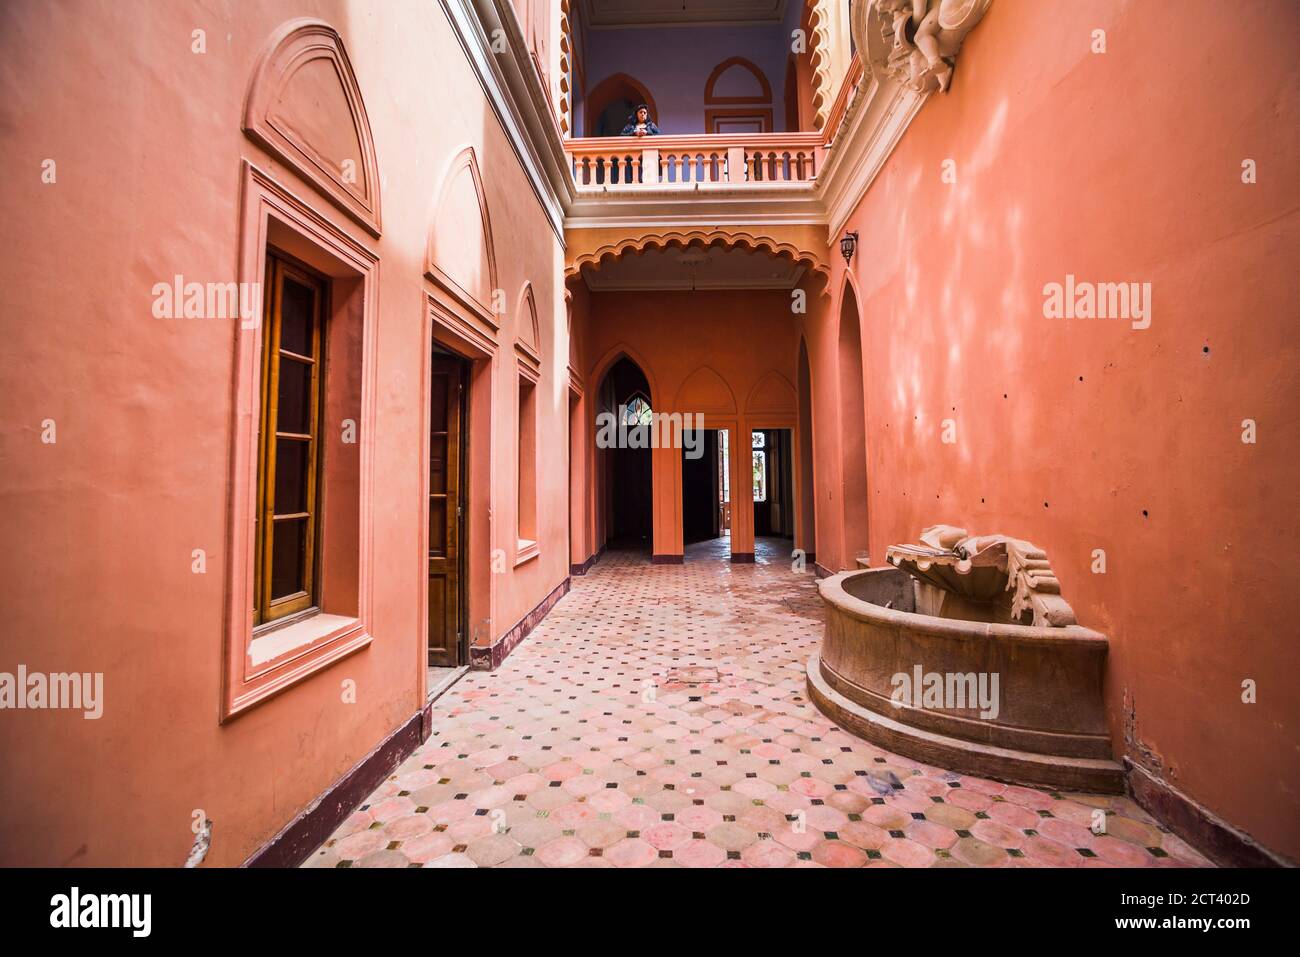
x=304, y=106
x=983, y=568
x=915, y=42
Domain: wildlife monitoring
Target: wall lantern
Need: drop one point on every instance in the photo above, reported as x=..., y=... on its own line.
x=848, y=245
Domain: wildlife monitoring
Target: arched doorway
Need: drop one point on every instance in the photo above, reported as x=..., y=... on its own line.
x=624, y=456
x=807, y=531
x=853, y=432
x=612, y=101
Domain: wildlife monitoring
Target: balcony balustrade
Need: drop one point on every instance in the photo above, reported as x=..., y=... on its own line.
x=695, y=161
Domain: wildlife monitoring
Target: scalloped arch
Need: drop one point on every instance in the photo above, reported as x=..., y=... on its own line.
x=305, y=107
x=701, y=237
x=819, y=56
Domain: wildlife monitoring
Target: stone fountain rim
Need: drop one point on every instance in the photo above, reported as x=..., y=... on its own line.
x=833, y=591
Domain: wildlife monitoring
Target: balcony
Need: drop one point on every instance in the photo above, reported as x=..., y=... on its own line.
x=695, y=162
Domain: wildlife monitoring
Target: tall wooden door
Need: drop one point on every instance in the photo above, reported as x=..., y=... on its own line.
x=446, y=509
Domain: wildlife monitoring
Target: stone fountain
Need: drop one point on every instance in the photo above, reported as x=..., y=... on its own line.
x=962, y=653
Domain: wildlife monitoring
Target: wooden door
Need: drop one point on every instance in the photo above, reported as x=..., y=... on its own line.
x=446, y=509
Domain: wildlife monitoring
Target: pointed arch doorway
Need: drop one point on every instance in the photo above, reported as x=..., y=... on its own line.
x=624, y=467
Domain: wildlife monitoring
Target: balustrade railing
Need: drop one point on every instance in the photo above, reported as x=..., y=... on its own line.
x=616, y=162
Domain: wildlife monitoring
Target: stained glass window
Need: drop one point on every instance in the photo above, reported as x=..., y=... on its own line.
x=637, y=411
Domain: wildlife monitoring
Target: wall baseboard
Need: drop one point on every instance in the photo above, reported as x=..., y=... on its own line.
x=489, y=657
x=311, y=827
x=584, y=567
x=742, y=558
x=821, y=571
x=667, y=559
x=1211, y=835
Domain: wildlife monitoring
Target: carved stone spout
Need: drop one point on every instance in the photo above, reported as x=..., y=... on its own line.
x=973, y=574
x=915, y=42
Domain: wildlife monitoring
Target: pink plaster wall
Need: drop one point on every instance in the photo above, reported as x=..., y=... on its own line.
x=1083, y=435
x=99, y=527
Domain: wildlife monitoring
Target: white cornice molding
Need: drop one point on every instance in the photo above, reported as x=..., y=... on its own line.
x=877, y=117
x=515, y=93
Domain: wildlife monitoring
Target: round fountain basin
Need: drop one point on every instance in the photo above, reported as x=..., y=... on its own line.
x=1015, y=702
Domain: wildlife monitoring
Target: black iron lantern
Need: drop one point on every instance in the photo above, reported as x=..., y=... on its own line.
x=848, y=245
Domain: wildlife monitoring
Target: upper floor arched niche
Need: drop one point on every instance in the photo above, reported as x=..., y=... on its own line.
x=611, y=101
x=461, y=256
x=305, y=107
x=737, y=98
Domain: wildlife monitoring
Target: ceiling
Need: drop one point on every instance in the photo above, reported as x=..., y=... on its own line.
x=673, y=268
x=639, y=13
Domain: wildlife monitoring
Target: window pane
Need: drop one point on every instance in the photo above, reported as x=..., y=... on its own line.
x=760, y=476
x=760, y=439
x=295, y=397
x=296, y=317
x=287, y=556
x=437, y=526
x=290, y=476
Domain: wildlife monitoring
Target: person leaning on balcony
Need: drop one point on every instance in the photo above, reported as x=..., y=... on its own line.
x=640, y=124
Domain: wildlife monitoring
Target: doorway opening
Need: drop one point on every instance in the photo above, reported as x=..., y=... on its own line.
x=447, y=635
x=706, y=498
x=772, y=474
x=627, y=466
x=701, y=498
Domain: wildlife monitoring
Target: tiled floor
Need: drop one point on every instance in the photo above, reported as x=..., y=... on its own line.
x=657, y=717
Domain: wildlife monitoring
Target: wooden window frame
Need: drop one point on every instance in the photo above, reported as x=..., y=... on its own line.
x=268, y=611
x=259, y=666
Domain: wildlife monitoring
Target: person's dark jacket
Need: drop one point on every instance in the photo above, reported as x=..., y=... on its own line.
x=650, y=129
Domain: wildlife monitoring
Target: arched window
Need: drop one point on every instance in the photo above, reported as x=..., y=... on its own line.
x=636, y=411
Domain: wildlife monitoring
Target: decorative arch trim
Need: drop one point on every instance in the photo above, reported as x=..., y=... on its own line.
x=772, y=395
x=847, y=285
x=305, y=58
x=611, y=356
x=706, y=375
x=737, y=61
x=819, y=56
x=699, y=237
x=528, y=335
x=478, y=300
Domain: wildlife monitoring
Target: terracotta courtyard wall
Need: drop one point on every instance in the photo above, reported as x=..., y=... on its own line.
x=1088, y=435
x=100, y=527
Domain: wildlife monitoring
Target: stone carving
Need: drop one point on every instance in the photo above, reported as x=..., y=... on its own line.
x=981, y=569
x=915, y=42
